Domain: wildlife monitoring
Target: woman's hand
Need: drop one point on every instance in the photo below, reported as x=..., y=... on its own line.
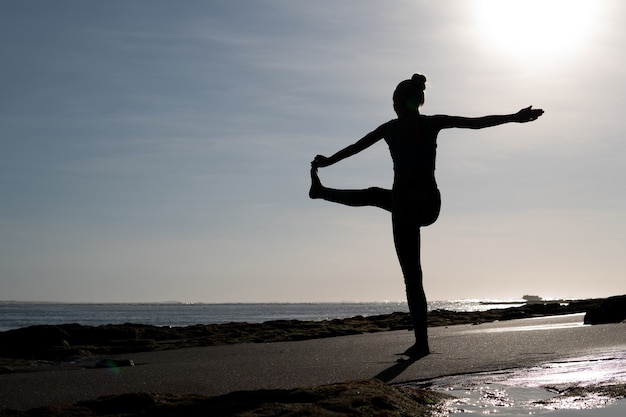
x=527, y=115
x=320, y=161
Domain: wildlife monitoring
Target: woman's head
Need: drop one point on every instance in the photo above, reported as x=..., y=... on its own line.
x=409, y=95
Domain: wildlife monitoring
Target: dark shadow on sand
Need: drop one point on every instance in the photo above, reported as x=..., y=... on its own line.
x=396, y=370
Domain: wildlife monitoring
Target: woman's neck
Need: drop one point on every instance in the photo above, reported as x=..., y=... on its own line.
x=408, y=115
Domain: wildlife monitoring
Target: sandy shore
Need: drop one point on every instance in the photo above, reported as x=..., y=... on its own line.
x=189, y=375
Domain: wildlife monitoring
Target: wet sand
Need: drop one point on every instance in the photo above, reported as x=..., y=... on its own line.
x=219, y=370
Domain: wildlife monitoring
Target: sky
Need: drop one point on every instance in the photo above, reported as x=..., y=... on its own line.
x=159, y=151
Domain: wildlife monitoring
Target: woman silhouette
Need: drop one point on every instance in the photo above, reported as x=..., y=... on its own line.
x=414, y=200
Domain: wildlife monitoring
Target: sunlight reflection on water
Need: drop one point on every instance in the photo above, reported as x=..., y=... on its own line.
x=539, y=390
x=499, y=400
x=606, y=369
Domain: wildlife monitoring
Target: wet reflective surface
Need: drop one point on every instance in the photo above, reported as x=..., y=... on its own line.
x=502, y=400
x=572, y=387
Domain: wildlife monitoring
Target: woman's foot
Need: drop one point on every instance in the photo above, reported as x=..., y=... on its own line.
x=317, y=188
x=417, y=351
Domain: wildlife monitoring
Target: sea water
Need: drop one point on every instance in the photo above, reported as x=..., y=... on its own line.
x=22, y=314
x=536, y=390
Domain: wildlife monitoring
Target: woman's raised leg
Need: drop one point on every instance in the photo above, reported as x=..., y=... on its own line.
x=373, y=196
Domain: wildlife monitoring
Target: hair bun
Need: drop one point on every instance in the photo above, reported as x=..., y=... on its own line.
x=419, y=81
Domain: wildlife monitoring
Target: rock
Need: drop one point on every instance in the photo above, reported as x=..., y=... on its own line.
x=100, y=335
x=612, y=310
x=44, y=341
x=114, y=363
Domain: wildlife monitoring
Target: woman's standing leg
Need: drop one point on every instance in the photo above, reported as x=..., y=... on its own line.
x=407, y=239
x=413, y=208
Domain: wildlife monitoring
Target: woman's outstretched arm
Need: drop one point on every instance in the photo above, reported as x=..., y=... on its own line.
x=363, y=143
x=527, y=114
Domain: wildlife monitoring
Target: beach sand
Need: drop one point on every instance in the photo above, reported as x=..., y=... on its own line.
x=353, y=363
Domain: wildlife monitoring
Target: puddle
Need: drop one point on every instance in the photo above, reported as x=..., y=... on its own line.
x=502, y=400
x=555, y=389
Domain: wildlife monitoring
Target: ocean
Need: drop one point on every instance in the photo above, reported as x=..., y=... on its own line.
x=15, y=314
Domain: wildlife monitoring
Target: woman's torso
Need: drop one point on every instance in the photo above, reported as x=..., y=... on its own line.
x=412, y=143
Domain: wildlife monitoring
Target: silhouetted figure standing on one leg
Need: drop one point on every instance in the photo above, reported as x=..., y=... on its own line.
x=414, y=200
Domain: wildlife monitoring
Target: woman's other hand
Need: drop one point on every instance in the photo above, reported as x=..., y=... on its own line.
x=527, y=115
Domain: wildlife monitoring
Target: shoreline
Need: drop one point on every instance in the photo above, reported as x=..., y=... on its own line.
x=65, y=342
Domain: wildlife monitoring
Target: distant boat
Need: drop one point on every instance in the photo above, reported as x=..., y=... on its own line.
x=528, y=299
x=535, y=299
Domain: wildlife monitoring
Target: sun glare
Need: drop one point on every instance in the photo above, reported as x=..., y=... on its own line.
x=535, y=29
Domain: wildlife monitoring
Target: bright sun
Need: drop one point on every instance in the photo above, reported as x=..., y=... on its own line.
x=535, y=29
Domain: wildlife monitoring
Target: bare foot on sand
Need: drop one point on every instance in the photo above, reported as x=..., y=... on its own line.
x=417, y=351
x=317, y=188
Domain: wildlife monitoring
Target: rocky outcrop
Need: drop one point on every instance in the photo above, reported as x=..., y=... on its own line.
x=35, y=341
x=611, y=310
x=353, y=398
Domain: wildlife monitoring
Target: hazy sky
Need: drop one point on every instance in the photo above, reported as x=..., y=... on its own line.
x=158, y=150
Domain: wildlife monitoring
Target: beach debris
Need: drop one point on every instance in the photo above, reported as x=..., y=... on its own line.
x=114, y=363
